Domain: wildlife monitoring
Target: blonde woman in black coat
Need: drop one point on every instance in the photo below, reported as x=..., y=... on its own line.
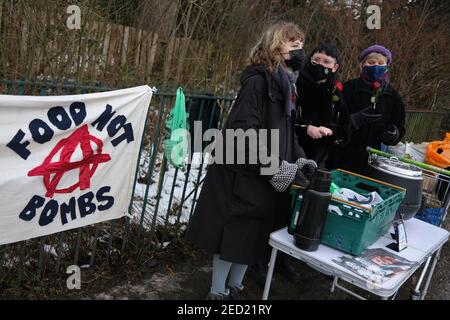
x=237, y=208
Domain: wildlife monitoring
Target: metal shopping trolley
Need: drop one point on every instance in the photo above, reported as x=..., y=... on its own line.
x=434, y=210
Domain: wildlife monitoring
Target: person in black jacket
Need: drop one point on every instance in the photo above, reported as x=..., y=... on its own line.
x=377, y=112
x=322, y=122
x=237, y=207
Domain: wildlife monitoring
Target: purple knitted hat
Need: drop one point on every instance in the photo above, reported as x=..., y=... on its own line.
x=378, y=49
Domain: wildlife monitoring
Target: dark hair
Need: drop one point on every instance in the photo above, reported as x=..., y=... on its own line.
x=328, y=49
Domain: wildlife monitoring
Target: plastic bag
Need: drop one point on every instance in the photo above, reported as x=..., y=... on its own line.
x=414, y=151
x=398, y=150
x=176, y=144
x=438, y=153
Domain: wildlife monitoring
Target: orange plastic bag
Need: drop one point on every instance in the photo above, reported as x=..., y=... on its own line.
x=438, y=153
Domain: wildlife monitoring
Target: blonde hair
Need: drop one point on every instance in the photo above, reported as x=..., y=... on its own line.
x=374, y=55
x=267, y=51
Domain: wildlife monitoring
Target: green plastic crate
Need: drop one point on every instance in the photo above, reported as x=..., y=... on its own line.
x=357, y=227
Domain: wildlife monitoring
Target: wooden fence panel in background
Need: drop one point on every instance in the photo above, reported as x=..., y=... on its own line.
x=42, y=47
x=425, y=126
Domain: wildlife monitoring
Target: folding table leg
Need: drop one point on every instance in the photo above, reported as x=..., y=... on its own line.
x=430, y=274
x=416, y=294
x=338, y=286
x=273, y=258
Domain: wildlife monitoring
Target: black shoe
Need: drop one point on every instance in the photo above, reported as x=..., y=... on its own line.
x=218, y=296
x=286, y=268
x=236, y=293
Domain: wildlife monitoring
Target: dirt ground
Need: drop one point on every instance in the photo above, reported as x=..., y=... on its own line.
x=184, y=273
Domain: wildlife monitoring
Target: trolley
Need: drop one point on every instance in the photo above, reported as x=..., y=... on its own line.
x=434, y=210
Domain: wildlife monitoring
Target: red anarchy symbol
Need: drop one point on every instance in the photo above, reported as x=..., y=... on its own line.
x=87, y=166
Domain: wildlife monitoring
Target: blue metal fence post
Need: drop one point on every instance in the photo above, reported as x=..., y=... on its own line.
x=41, y=261
x=60, y=250
x=77, y=247
x=130, y=207
x=94, y=247
x=110, y=240
x=21, y=246
x=154, y=153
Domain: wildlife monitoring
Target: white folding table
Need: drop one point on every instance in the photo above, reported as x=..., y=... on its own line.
x=424, y=240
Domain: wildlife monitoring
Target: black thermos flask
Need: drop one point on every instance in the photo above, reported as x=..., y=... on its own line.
x=313, y=212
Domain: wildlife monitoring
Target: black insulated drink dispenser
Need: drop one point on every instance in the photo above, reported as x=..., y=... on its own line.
x=313, y=212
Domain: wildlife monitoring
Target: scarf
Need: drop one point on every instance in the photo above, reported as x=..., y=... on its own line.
x=383, y=80
x=286, y=80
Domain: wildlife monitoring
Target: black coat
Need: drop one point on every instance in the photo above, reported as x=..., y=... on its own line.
x=238, y=208
x=358, y=96
x=317, y=108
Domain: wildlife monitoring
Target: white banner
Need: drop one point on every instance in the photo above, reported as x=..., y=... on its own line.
x=67, y=161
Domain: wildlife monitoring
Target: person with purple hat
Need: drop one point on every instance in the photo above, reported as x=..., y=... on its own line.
x=377, y=112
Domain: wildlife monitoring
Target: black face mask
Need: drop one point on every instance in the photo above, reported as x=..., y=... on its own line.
x=319, y=72
x=297, y=58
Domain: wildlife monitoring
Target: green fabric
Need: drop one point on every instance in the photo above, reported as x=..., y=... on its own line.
x=176, y=143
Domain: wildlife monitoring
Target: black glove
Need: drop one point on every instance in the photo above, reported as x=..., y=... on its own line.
x=390, y=135
x=301, y=180
x=365, y=117
x=308, y=171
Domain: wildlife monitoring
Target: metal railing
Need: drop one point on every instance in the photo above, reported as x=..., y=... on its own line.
x=157, y=215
